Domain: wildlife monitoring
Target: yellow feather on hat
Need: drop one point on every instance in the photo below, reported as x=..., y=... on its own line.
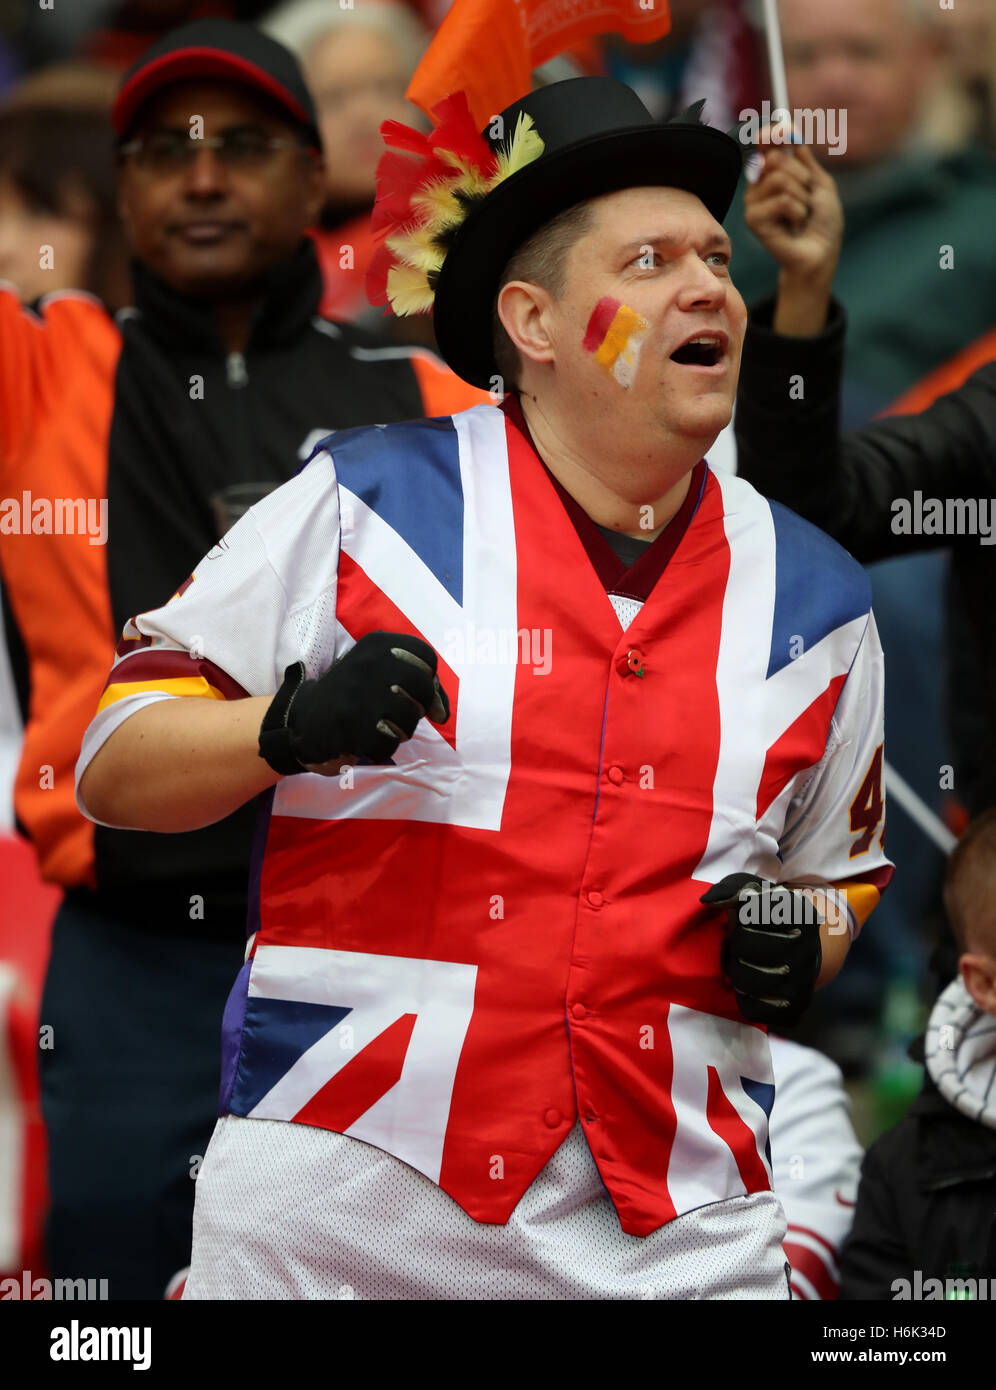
x=416, y=246
x=437, y=205
x=470, y=179
x=408, y=290
x=525, y=146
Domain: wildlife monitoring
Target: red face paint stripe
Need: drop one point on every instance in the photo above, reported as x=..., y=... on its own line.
x=598, y=325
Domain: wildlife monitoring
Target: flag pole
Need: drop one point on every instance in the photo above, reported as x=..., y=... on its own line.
x=776, y=59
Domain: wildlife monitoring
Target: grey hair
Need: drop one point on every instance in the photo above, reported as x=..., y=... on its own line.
x=300, y=24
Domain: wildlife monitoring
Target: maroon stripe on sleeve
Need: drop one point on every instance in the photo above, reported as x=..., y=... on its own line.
x=126, y=645
x=878, y=878
x=171, y=665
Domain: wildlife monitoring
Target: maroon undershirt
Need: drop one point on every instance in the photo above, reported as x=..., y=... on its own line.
x=637, y=580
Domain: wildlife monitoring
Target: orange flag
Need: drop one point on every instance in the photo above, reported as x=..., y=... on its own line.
x=489, y=48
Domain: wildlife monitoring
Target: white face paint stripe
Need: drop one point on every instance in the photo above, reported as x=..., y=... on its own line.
x=625, y=366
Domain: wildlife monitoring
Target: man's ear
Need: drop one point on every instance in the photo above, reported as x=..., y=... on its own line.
x=978, y=975
x=523, y=310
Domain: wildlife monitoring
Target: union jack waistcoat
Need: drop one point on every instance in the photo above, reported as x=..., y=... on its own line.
x=455, y=956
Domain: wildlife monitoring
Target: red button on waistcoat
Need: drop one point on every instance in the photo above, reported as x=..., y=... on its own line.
x=552, y=1118
x=595, y=899
x=579, y=1010
x=616, y=775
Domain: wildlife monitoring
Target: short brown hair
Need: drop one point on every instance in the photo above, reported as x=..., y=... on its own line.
x=542, y=260
x=970, y=885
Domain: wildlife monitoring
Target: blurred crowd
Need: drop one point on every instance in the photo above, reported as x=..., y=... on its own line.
x=916, y=177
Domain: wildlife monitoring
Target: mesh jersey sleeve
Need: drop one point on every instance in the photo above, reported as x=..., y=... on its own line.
x=261, y=599
x=834, y=830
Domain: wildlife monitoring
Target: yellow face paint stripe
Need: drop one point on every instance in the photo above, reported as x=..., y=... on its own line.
x=182, y=685
x=626, y=322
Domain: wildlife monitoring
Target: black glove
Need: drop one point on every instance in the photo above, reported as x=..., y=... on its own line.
x=773, y=955
x=363, y=706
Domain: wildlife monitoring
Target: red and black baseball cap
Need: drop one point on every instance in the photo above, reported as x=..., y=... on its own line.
x=217, y=48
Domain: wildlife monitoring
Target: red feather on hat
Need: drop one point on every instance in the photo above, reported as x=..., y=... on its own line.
x=403, y=137
x=456, y=134
x=425, y=188
x=376, y=278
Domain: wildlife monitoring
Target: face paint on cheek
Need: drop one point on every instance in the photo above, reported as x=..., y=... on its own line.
x=615, y=334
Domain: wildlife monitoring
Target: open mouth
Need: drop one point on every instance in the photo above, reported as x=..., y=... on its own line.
x=699, y=352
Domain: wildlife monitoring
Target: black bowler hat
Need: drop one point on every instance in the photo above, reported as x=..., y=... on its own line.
x=218, y=48
x=596, y=137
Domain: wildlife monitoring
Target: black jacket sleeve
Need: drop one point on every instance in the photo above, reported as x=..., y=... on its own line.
x=789, y=443
x=876, y=1252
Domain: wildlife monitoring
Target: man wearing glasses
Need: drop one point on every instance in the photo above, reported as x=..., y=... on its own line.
x=159, y=429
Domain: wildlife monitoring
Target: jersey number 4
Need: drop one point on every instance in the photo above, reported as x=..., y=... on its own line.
x=867, y=807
